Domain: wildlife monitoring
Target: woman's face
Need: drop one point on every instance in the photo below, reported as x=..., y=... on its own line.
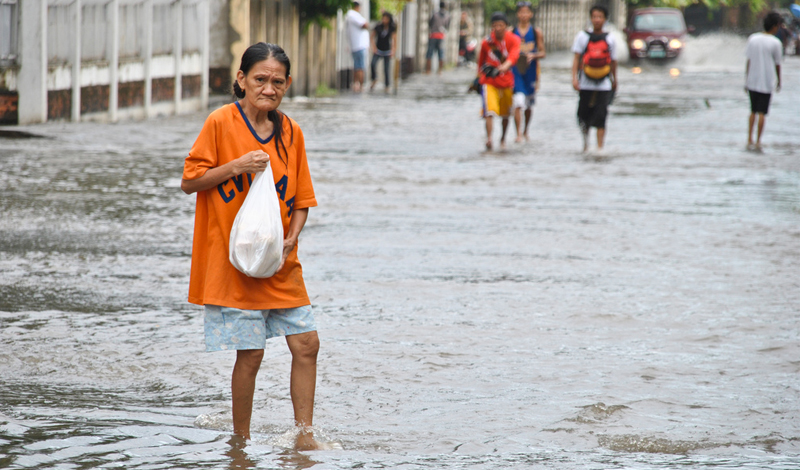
x=385, y=20
x=265, y=84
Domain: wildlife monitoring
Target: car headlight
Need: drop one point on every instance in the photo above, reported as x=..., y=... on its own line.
x=638, y=44
x=675, y=44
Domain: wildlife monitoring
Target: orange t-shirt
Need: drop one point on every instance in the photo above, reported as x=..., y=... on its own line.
x=226, y=136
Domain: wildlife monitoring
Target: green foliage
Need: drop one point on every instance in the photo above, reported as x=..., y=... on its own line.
x=374, y=11
x=324, y=91
x=321, y=11
x=392, y=6
x=509, y=7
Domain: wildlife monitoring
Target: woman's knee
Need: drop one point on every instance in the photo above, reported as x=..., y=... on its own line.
x=249, y=358
x=305, y=345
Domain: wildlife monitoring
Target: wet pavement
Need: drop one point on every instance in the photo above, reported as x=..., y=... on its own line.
x=530, y=308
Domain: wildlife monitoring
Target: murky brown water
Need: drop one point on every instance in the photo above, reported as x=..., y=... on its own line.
x=533, y=308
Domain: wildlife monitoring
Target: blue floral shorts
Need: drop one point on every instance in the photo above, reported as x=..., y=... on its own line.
x=231, y=328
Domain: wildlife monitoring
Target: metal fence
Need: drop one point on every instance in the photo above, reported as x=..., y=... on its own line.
x=97, y=18
x=9, y=25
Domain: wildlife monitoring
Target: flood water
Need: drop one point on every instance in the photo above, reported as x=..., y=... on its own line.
x=532, y=308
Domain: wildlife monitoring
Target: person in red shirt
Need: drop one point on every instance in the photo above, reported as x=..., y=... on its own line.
x=499, y=52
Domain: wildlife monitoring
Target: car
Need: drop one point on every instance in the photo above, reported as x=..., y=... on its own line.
x=655, y=33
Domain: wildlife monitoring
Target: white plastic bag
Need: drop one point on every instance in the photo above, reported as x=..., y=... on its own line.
x=256, y=241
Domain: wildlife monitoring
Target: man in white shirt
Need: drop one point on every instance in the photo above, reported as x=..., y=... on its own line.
x=594, y=75
x=358, y=32
x=764, y=53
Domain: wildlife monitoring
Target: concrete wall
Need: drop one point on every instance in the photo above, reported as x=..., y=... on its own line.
x=106, y=60
x=116, y=59
x=561, y=20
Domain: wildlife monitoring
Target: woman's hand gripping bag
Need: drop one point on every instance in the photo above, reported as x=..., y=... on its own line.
x=256, y=241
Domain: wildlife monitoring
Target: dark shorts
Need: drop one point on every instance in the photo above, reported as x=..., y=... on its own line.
x=759, y=102
x=593, y=109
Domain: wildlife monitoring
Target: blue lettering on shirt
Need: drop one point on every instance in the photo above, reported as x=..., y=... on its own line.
x=290, y=205
x=225, y=197
x=238, y=182
x=281, y=186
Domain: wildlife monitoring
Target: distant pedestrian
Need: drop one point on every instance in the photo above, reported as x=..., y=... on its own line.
x=764, y=54
x=594, y=75
x=526, y=72
x=465, y=32
x=241, y=312
x=358, y=33
x=784, y=35
x=438, y=24
x=384, y=44
x=499, y=53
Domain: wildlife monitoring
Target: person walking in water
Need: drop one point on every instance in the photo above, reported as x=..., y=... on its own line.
x=465, y=30
x=358, y=33
x=594, y=75
x=526, y=72
x=384, y=44
x=499, y=53
x=241, y=312
x=764, y=53
x=438, y=24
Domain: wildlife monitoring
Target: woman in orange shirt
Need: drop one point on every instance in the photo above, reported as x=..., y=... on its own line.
x=241, y=312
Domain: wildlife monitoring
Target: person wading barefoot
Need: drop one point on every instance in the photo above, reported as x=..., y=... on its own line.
x=594, y=75
x=241, y=313
x=499, y=52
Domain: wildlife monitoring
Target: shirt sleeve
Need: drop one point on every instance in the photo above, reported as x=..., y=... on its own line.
x=304, y=196
x=203, y=155
x=777, y=52
x=749, y=48
x=482, y=54
x=577, y=44
x=612, y=47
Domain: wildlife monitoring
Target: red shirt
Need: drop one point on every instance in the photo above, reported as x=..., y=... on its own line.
x=494, y=52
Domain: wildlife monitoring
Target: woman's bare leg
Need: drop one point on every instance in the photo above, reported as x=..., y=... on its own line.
x=304, y=348
x=243, y=386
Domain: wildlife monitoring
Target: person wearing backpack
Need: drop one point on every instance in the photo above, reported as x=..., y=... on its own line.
x=594, y=75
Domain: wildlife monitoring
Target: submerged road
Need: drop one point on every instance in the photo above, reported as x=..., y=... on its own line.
x=533, y=308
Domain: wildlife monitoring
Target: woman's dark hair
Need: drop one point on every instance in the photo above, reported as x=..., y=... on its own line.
x=253, y=55
x=391, y=18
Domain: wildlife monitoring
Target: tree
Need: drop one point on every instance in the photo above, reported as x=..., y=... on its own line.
x=321, y=11
x=509, y=7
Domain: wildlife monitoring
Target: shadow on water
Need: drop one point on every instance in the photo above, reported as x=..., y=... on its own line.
x=17, y=134
x=640, y=108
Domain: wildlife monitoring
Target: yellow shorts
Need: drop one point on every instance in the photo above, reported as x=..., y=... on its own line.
x=497, y=101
